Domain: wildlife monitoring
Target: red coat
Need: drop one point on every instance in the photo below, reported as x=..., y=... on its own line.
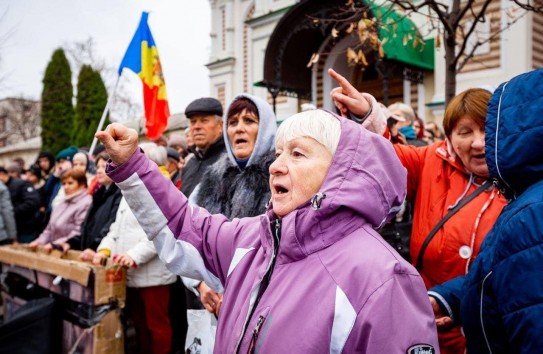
x=435, y=181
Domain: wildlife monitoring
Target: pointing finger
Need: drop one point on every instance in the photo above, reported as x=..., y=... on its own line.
x=346, y=86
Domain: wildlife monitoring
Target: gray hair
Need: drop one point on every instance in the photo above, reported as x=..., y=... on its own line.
x=317, y=124
x=406, y=110
x=155, y=153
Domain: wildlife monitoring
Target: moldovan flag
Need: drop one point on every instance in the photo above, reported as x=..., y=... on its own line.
x=142, y=58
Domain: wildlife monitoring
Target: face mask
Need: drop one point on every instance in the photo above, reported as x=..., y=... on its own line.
x=408, y=132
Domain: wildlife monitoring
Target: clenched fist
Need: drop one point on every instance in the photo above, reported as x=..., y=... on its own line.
x=120, y=142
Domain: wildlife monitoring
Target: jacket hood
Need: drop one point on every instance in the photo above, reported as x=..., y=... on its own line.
x=365, y=184
x=514, y=132
x=267, y=127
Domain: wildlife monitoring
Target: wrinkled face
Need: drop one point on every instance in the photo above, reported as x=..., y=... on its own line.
x=71, y=186
x=297, y=173
x=468, y=141
x=102, y=178
x=242, y=130
x=205, y=130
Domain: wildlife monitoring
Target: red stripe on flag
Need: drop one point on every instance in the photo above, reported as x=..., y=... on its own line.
x=156, y=112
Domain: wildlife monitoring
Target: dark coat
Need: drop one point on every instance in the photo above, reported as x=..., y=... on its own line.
x=176, y=179
x=100, y=216
x=236, y=193
x=26, y=202
x=194, y=170
x=500, y=301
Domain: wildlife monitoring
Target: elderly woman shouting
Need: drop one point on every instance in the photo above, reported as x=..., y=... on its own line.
x=236, y=185
x=310, y=275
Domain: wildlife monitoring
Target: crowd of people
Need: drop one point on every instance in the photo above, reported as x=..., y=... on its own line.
x=275, y=230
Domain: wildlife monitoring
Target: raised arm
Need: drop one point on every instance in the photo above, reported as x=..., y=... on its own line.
x=189, y=240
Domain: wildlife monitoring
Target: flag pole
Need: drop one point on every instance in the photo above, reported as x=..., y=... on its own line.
x=104, y=114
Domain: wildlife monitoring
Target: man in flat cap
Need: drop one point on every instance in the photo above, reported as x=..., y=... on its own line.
x=205, y=115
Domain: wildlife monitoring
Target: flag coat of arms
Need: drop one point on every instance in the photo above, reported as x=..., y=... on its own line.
x=142, y=58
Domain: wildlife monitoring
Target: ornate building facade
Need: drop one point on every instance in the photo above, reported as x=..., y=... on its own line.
x=263, y=47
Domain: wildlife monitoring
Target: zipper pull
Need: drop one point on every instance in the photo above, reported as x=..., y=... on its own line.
x=277, y=231
x=256, y=331
x=258, y=325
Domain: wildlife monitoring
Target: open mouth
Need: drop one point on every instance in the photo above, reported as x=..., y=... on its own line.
x=479, y=156
x=240, y=141
x=279, y=189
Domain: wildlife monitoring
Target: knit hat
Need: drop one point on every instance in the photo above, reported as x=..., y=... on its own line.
x=66, y=154
x=204, y=106
x=173, y=154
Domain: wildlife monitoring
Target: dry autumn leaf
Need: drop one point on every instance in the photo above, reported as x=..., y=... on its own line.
x=349, y=3
x=362, y=58
x=351, y=56
x=350, y=28
x=335, y=32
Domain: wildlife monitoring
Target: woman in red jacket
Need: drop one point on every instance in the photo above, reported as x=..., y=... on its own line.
x=439, y=177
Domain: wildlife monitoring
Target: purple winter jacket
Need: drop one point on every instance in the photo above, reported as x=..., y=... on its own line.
x=333, y=284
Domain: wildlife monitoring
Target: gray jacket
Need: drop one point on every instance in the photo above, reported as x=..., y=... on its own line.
x=7, y=220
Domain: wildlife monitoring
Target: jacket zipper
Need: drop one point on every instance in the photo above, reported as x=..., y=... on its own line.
x=256, y=332
x=481, y=312
x=265, y=281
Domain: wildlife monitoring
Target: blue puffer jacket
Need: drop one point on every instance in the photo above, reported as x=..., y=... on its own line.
x=500, y=301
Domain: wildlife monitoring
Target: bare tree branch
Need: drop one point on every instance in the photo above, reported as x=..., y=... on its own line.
x=22, y=119
x=468, y=7
x=480, y=17
x=526, y=5
x=469, y=57
x=123, y=107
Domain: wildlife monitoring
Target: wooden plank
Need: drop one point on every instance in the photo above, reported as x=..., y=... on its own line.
x=70, y=269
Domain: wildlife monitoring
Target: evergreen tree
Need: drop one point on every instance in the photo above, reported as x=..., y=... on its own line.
x=57, y=112
x=91, y=101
